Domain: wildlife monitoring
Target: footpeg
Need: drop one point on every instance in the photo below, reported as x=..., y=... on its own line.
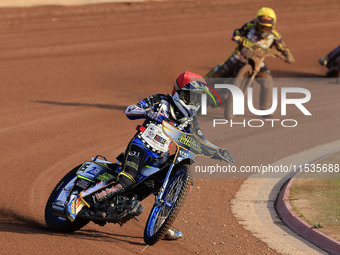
x=101, y=214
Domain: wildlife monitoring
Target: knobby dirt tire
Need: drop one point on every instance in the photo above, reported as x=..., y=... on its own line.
x=187, y=182
x=56, y=223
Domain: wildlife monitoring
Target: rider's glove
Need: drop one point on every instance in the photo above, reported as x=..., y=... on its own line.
x=224, y=155
x=239, y=39
x=154, y=116
x=151, y=114
x=290, y=59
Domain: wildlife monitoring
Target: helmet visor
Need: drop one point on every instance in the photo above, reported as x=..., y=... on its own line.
x=266, y=21
x=190, y=98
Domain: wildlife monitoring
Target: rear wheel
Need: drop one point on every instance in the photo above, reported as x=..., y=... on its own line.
x=164, y=214
x=241, y=82
x=60, y=194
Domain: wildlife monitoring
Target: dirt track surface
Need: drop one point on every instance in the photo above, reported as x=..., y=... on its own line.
x=30, y=3
x=67, y=74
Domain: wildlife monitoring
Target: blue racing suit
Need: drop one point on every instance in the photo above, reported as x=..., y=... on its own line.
x=146, y=145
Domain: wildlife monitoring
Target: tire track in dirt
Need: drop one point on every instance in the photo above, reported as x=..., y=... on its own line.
x=146, y=55
x=6, y=213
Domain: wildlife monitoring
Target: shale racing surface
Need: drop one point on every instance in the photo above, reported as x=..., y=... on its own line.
x=67, y=74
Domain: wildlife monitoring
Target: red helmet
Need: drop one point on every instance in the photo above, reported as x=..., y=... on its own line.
x=185, y=78
x=187, y=91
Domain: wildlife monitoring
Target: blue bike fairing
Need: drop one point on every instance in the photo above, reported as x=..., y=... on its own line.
x=149, y=154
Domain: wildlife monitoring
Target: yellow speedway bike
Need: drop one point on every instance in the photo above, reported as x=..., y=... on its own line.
x=245, y=77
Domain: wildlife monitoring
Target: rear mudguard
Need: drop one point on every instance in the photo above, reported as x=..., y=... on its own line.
x=96, y=172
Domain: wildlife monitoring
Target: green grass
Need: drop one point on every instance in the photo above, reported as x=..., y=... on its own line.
x=317, y=200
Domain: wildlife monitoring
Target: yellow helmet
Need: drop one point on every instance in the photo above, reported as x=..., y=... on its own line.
x=265, y=19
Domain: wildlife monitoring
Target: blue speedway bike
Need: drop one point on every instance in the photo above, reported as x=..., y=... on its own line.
x=168, y=179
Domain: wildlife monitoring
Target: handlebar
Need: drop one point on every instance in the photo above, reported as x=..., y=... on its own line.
x=224, y=155
x=261, y=52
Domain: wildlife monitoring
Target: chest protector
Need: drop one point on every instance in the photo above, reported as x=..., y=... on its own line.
x=153, y=135
x=264, y=43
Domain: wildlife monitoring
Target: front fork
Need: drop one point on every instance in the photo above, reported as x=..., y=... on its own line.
x=159, y=199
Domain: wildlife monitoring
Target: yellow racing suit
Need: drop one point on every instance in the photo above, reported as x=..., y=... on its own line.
x=237, y=59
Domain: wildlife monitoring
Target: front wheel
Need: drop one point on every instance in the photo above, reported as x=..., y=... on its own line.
x=241, y=81
x=60, y=195
x=164, y=214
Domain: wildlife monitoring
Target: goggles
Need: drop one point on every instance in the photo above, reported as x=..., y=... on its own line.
x=190, y=98
x=266, y=21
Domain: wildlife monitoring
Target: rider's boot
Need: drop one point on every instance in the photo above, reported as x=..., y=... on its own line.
x=173, y=235
x=323, y=61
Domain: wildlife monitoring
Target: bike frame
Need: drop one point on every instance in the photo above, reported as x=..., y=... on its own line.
x=188, y=146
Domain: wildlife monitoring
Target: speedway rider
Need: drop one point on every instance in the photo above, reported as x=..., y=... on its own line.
x=180, y=107
x=260, y=32
x=332, y=62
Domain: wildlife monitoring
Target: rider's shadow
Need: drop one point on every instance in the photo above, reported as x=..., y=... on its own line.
x=102, y=106
x=102, y=236
x=11, y=226
x=13, y=222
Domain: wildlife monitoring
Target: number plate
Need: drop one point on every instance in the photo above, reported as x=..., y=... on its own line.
x=94, y=172
x=155, y=137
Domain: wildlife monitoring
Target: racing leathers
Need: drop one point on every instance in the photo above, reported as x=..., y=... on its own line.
x=147, y=144
x=249, y=33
